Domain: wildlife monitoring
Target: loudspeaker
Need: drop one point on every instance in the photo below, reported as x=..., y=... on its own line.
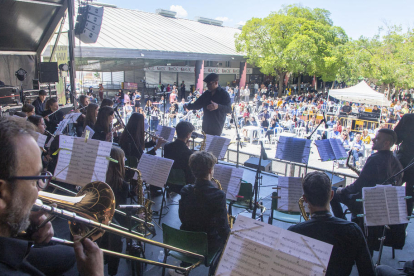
x=253, y=162
x=88, y=25
x=36, y=85
x=48, y=72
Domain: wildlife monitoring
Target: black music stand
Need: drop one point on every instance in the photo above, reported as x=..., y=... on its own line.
x=237, y=138
x=331, y=150
x=258, y=179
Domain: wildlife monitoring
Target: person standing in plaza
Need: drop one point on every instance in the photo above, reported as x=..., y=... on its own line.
x=182, y=90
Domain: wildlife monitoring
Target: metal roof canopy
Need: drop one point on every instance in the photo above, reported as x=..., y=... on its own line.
x=28, y=25
x=133, y=34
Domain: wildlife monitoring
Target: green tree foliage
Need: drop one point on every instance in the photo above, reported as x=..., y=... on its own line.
x=296, y=39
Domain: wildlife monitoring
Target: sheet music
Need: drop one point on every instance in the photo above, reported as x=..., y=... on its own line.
x=257, y=248
x=81, y=162
x=61, y=126
x=166, y=132
x=91, y=132
x=338, y=149
x=293, y=149
x=325, y=150
x=289, y=194
x=384, y=204
x=217, y=145
x=40, y=139
x=72, y=117
x=154, y=169
x=230, y=179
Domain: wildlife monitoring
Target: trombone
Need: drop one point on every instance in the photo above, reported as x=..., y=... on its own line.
x=148, y=224
x=95, y=201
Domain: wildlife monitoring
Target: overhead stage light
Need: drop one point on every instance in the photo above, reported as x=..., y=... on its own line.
x=21, y=74
x=63, y=67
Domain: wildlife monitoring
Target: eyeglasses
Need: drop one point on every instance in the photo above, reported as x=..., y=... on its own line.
x=42, y=182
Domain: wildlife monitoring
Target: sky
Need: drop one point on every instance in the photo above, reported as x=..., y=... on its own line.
x=356, y=17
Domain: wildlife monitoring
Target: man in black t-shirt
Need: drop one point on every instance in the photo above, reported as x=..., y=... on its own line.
x=346, y=108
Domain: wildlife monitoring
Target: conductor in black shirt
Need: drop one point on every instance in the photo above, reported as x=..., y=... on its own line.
x=349, y=244
x=180, y=153
x=215, y=103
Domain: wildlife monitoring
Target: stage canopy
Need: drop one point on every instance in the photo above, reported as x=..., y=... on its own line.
x=360, y=93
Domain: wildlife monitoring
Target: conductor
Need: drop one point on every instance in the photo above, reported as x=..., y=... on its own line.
x=215, y=103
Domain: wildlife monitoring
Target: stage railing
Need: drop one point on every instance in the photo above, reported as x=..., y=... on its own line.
x=284, y=168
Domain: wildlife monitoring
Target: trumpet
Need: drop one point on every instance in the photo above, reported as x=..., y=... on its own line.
x=96, y=203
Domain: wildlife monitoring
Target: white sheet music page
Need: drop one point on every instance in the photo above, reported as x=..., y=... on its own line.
x=91, y=132
x=257, y=248
x=81, y=162
x=61, y=126
x=289, y=194
x=72, y=117
x=230, y=179
x=166, y=132
x=397, y=204
x=41, y=139
x=375, y=206
x=154, y=169
x=217, y=145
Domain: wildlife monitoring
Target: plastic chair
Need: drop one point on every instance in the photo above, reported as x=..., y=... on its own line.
x=243, y=198
x=195, y=242
x=177, y=178
x=288, y=217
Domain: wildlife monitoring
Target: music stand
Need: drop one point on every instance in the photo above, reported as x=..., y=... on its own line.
x=331, y=150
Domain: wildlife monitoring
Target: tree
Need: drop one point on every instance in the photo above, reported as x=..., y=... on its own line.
x=296, y=39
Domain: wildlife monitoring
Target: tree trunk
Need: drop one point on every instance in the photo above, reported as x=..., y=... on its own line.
x=323, y=87
x=281, y=81
x=299, y=81
x=382, y=88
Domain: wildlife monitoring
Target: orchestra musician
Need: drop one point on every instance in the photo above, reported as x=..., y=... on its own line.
x=103, y=125
x=349, y=244
x=405, y=134
x=52, y=115
x=115, y=178
x=91, y=115
x=180, y=153
x=20, y=157
x=83, y=103
x=215, y=103
x=378, y=168
x=39, y=122
x=39, y=103
x=202, y=207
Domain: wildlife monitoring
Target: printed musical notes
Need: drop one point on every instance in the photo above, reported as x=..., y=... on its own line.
x=154, y=169
x=61, y=126
x=81, y=162
x=40, y=139
x=72, y=117
x=293, y=149
x=166, y=132
x=289, y=192
x=331, y=149
x=384, y=205
x=230, y=179
x=257, y=248
x=217, y=145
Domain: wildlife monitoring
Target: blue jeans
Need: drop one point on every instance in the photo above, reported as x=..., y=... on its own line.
x=356, y=154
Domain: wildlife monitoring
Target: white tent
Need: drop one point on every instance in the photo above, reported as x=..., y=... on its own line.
x=360, y=93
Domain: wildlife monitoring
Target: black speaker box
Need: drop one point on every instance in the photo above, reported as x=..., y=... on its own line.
x=48, y=72
x=253, y=162
x=36, y=85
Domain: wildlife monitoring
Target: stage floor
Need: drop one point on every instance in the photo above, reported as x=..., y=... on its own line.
x=171, y=218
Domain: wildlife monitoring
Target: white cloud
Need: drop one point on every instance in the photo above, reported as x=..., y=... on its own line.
x=223, y=18
x=242, y=23
x=181, y=12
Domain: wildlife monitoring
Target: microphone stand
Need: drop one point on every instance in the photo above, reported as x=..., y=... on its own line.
x=237, y=138
x=256, y=182
x=322, y=121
